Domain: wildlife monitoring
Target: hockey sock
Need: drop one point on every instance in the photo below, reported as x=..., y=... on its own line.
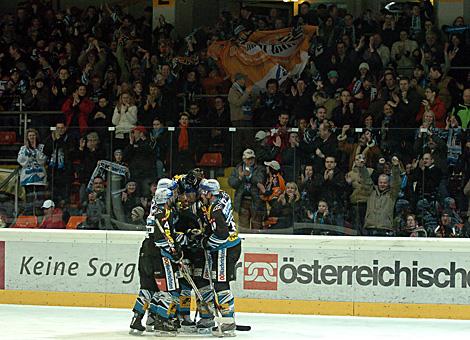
x=142, y=302
x=226, y=303
x=184, y=301
x=208, y=297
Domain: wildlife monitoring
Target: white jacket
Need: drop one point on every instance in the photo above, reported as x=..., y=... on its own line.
x=124, y=120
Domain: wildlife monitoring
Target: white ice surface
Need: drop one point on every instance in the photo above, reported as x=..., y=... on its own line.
x=40, y=322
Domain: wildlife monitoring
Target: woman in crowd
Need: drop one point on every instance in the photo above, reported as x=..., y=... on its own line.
x=33, y=172
x=286, y=209
x=124, y=118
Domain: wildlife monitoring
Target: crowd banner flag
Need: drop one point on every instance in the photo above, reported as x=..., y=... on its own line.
x=264, y=55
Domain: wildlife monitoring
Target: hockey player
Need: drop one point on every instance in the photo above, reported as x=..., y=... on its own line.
x=224, y=248
x=161, y=222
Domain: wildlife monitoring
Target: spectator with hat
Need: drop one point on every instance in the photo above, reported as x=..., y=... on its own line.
x=263, y=150
x=332, y=84
x=247, y=179
x=274, y=184
x=52, y=216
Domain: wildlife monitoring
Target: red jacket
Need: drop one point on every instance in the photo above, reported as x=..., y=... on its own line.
x=439, y=110
x=54, y=221
x=85, y=107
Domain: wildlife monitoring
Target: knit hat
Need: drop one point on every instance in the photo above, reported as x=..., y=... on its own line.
x=332, y=74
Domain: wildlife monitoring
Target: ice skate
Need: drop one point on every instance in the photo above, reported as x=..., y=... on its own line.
x=204, y=326
x=187, y=325
x=150, y=324
x=225, y=327
x=165, y=327
x=136, y=325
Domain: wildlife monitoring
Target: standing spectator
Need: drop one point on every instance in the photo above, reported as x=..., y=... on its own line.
x=63, y=87
x=241, y=114
x=274, y=184
x=446, y=86
x=124, y=118
x=33, y=175
x=433, y=102
x=269, y=105
x=323, y=146
x=159, y=141
x=346, y=112
x=331, y=187
x=427, y=177
x=53, y=217
x=77, y=110
x=360, y=193
x=300, y=100
x=138, y=154
x=100, y=119
x=247, y=179
x=93, y=209
x=292, y=157
x=89, y=153
x=151, y=107
x=462, y=111
x=59, y=149
x=402, y=53
x=381, y=202
x=365, y=146
x=264, y=151
x=183, y=156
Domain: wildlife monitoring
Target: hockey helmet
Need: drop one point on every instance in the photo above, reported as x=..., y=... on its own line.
x=209, y=186
x=163, y=195
x=166, y=183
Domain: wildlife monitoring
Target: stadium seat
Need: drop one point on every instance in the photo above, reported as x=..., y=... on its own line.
x=7, y=137
x=74, y=221
x=26, y=222
x=210, y=159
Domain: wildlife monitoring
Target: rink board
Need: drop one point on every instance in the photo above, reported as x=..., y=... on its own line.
x=395, y=277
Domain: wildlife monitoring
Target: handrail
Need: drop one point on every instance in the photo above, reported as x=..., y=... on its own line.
x=9, y=178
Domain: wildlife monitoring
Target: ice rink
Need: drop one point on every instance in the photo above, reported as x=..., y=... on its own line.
x=39, y=322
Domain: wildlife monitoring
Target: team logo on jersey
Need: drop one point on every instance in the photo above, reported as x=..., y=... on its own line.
x=260, y=271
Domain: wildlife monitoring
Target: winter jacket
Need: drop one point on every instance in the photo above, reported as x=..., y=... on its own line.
x=371, y=152
x=380, y=205
x=439, y=109
x=462, y=114
x=361, y=190
x=124, y=120
x=250, y=185
x=83, y=110
x=236, y=100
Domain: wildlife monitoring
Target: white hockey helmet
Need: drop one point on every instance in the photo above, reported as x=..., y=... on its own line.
x=209, y=186
x=166, y=183
x=163, y=195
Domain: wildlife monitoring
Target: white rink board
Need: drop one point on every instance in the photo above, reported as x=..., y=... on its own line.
x=348, y=269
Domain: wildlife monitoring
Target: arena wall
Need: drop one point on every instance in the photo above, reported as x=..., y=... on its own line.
x=390, y=277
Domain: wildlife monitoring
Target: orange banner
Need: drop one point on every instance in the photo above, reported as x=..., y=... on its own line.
x=265, y=54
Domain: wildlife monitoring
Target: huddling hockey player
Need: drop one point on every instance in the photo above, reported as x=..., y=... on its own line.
x=159, y=264
x=223, y=249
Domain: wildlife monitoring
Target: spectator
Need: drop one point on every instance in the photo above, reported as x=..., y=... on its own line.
x=292, y=157
x=322, y=215
x=130, y=199
x=100, y=118
x=264, y=151
x=462, y=111
x=183, y=156
x=124, y=118
x=52, y=216
x=402, y=53
x=365, y=147
x=346, y=112
x=446, y=228
x=360, y=193
x=159, y=143
x=381, y=202
x=241, y=114
x=77, y=110
x=247, y=179
x=330, y=183
x=412, y=228
x=300, y=100
x=138, y=154
x=89, y=153
x=94, y=210
x=286, y=209
x=269, y=105
x=324, y=145
x=274, y=184
x=445, y=86
x=433, y=102
x=59, y=150
x=32, y=160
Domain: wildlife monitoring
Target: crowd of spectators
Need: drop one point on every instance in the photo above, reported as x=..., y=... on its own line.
x=372, y=136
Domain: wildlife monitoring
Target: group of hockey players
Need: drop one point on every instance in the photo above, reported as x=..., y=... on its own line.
x=191, y=244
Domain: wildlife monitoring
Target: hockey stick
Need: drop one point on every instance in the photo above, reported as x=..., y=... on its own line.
x=241, y=328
